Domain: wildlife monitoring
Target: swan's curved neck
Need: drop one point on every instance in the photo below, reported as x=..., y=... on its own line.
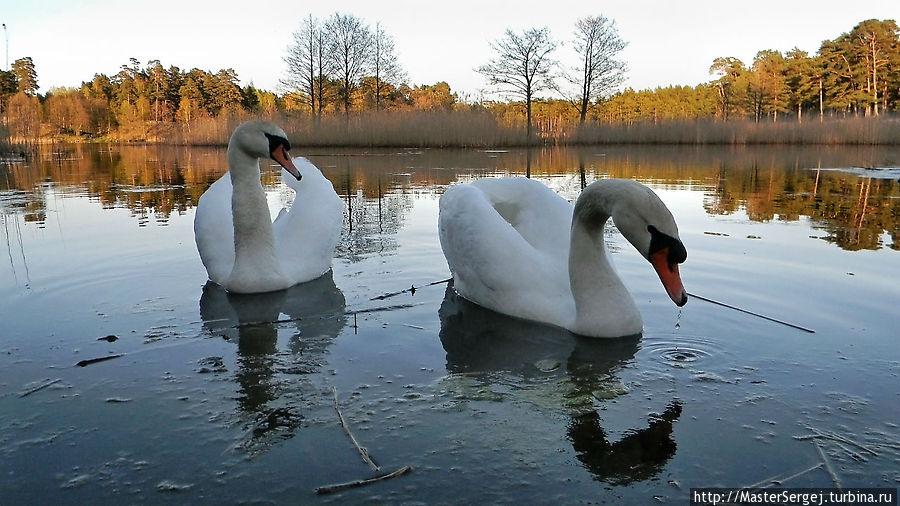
x=254, y=239
x=602, y=303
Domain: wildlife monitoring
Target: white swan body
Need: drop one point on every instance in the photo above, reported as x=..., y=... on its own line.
x=516, y=247
x=240, y=246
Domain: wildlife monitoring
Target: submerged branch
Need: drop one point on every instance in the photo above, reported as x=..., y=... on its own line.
x=324, y=315
x=362, y=451
x=777, y=480
x=90, y=361
x=412, y=289
x=834, y=478
x=381, y=308
x=40, y=387
x=820, y=434
x=330, y=489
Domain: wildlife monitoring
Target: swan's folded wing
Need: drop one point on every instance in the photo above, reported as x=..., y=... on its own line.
x=214, y=230
x=307, y=233
x=494, y=265
x=538, y=214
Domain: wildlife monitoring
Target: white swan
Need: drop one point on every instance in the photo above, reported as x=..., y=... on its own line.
x=516, y=247
x=240, y=246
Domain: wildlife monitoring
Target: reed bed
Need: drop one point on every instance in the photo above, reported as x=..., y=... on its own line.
x=420, y=129
x=415, y=129
x=849, y=131
x=480, y=128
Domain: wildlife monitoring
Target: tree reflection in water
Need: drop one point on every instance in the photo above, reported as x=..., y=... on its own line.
x=490, y=345
x=855, y=210
x=265, y=374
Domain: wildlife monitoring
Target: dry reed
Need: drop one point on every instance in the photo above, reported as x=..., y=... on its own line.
x=479, y=128
x=849, y=131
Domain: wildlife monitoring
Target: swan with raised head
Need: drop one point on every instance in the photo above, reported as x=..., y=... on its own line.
x=240, y=246
x=518, y=248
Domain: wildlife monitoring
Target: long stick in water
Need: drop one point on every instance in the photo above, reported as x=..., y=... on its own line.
x=729, y=306
x=411, y=289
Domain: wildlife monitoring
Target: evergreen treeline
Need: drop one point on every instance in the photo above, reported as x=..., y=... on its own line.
x=856, y=75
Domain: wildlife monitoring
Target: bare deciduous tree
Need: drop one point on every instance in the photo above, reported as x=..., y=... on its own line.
x=349, y=47
x=385, y=64
x=522, y=66
x=307, y=70
x=598, y=72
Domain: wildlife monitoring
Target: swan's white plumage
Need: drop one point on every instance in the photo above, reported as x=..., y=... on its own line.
x=304, y=235
x=307, y=233
x=508, y=244
x=495, y=245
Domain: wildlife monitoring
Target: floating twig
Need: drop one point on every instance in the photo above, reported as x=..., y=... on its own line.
x=779, y=481
x=854, y=455
x=98, y=359
x=729, y=306
x=353, y=312
x=39, y=387
x=412, y=289
x=362, y=451
x=330, y=489
x=820, y=434
x=265, y=322
x=381, y=308
x=834, y=478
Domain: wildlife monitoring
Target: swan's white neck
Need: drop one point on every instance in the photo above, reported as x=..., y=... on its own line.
x=603, y=306
x=255, y=264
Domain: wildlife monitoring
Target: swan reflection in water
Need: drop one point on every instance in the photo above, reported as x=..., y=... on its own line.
x=315, y=312
x=491, y=345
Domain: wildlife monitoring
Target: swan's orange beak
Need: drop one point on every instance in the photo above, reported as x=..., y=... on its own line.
x=668, y=274
x=281, y=155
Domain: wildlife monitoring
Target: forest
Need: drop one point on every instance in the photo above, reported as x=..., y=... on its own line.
x=345, y=86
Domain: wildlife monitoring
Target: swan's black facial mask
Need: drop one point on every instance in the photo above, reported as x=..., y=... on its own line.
x=278, y=150
x=659, y=241
x=275, y=141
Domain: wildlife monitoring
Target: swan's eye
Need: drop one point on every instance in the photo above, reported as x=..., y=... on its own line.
x=275, y=141
x=659, y=241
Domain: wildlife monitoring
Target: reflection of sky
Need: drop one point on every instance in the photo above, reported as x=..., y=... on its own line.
x=875, y=173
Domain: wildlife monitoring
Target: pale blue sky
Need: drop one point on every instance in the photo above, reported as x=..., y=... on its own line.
x=670, y=42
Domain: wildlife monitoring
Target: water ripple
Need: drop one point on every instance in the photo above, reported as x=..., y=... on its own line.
x=681, y=350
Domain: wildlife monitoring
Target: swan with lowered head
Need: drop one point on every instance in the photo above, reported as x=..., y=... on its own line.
x=518, y=248
x=240, y=246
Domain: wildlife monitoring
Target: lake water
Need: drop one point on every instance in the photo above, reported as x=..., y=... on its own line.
x=207, y=398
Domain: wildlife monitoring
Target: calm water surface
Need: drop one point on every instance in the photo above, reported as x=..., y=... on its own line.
x=207, y=397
